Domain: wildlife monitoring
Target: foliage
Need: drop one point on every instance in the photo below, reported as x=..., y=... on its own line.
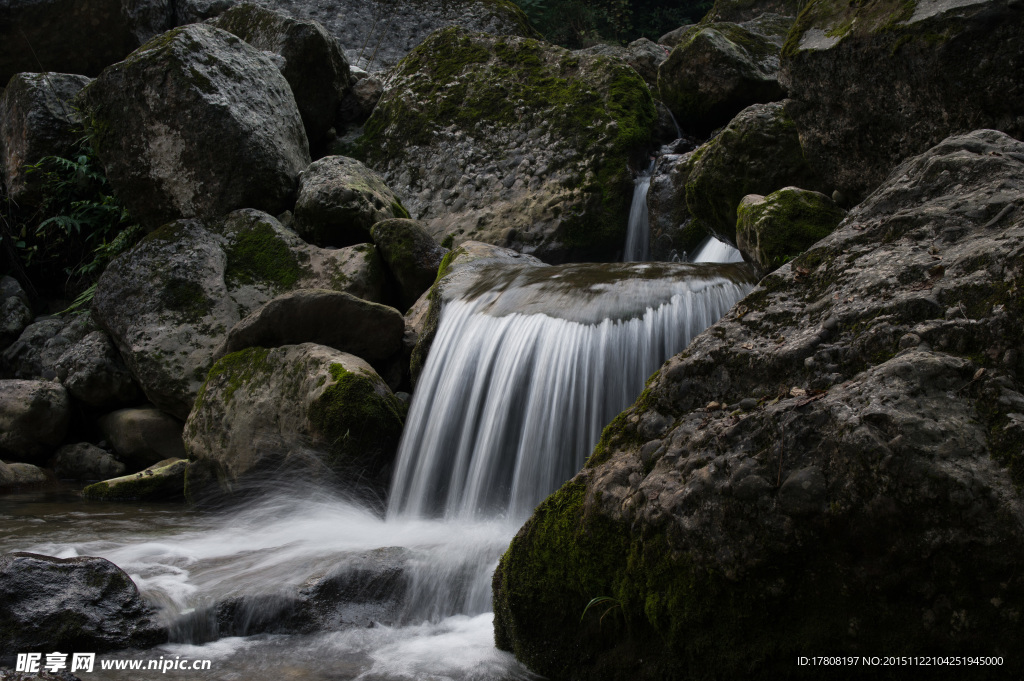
x=579, y=23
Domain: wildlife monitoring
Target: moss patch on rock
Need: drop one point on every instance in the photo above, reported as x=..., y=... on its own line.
x=773, y=229
x=257, y=255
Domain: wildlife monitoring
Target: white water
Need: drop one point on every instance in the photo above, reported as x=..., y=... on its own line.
x=638, y=229
x=715, y=251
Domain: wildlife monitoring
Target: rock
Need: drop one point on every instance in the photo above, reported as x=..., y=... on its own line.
x=70, y=604
x=26, y=475
x=415, y=322
x=758, y=153
x=918, y=71
x=363, y=96
x=677, y=35
x=747, y=10
x=891, y=514
x=163, y=481
x=716, y=72
x=196, y=11
x=48, y=34
x=674, y=234
x=773, y=229
x=340, y=199
x=37, y=119
x=8, y=675
x=143, y=436
x=339, y=320
x=93, y=372
x=15, y=313
x=7, y=476
x=642, y=54
x=305, y=408
x=34, y=417
x=169, y=303
x=540, y=164
x=411, y=254
x=156, y=141
x=34, y=355
x=315, y=67
x=84, y=461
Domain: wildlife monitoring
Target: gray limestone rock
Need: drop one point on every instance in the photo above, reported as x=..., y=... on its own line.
x=34, y=417
x=85, y=461
x=143, y=436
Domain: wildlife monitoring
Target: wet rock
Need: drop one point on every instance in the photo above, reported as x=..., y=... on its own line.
x=340, y=199
x=93, y=372
x=169, y=303
x=411, y=254
x=85, y=461
x=71, y=604
x=315, y=67
x=163, y=481
x=143, y=436
x=365, y=589
x=918, y=71
x=773, y=229
x=305, y=408
x=869, y=467
x=37, y=119
x=15, y=313
x=338, y=320
x=540, y=164
x=34, y=417
x=155, y=141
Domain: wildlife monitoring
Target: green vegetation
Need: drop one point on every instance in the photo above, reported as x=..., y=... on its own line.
x=258, y=255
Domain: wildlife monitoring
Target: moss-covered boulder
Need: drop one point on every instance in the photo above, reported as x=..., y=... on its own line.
x=873, y=83
x=333, y=318
x=170, y=302
x=314, y=65
x=412, y=256
x=34, y=416
x=340, y=199
x=196, y=123
x=163, y=481
x=513, y=142
x=716, y=71
x=772, y=230
x=862, y=487
x=645, y=56
x=304, y=407
x=758, y=153
x=37, y=119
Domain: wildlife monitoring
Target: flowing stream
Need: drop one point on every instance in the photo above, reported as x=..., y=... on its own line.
x=527, y=366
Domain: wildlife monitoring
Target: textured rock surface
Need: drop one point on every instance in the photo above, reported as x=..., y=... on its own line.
x=15, y=313
x=645, y=56
x=299, y=407
x=84, y=461
x=513, y=142
x=169, y=303
x=26, y=474
x=42, y=343
x=197, y=123
x=861, y=489
x=915, y=72
x=340, y=199
x=338, y=320
x=163, y=481
x=34, y=417
x=674, y=233
x=37, y=119
x=773, y=229
x=745, y=10
x=93, y=372
x=71, y=604
x=716, y=71
x=143, y=436
x=411, y=254
x=315, y=67
x=758, y=153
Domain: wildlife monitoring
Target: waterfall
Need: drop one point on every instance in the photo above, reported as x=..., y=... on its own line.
x=715, y=251
x=522, y=377
x=638, y=229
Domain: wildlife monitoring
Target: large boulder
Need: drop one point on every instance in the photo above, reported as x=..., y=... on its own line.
x=758, y=153
x=15, y=312
x=70, y=604
x=84, y=461
x=873, y=84
x=861, y=490
x=142, y=436
x=674, y=234
x=76, y=37
x=314, y=65
x=746, y=10
x=34, y=416
x=42, y=343
x=338, y=320
x=716, y=71
x=169, y=303
x=37, y=119
x=94, y=373
x=411, y=254
x=645, y=56
x=306, y=408
x=340, y=199
x=513, y=142
x=196, y=123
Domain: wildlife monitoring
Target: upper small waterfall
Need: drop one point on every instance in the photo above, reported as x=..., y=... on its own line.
x=526, y=369
x=638, y=230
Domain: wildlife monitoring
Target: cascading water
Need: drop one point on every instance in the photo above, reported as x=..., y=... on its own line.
x=638, y=228
x=715, y=251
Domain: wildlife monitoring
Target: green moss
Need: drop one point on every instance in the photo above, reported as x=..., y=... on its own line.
x=258, y=255
x=846, y=18
x=161, y=484
x=399, y=211
x=235, y=371
x=786, y=224
x=188, y=298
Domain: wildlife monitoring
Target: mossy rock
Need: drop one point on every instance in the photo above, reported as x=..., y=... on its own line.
x=412, y=255
x=772, y=230
x=163, y=481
